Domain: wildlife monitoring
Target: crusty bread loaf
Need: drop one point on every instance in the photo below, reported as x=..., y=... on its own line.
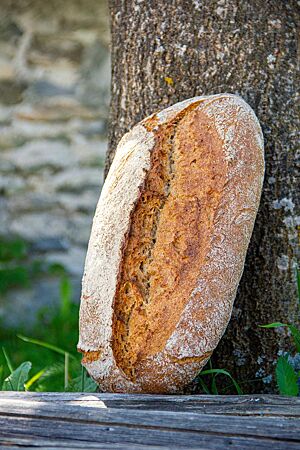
x=168, y=244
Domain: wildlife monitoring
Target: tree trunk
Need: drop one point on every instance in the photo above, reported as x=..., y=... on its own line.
x=167, y=51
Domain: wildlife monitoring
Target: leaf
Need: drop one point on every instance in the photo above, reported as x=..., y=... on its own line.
x=274, y=325
x=52, y=347
x=223, y=372
x=286, y=378
x=90, y=385
x=75, y=385
x=17, y=379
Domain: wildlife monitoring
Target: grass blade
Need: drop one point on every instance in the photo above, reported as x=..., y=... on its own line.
x=66, y=297
x=82, y=378
x=52, y=347
x=204, y=386
x=223, y=372
x=274, y=325
x=214, y=389
x=33, y=379
x=8, y=361
x=66, y=370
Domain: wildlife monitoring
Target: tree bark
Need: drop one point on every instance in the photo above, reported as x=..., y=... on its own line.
x=166, y=51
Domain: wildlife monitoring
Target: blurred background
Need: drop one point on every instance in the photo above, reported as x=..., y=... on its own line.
x=54, y=97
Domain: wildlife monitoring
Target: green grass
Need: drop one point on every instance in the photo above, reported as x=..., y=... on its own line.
x=47, y=359
x=50, y=349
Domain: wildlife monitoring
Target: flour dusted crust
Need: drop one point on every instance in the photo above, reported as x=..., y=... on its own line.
x=168, y=244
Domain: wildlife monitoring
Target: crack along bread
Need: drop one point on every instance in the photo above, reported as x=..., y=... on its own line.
x=168, y=244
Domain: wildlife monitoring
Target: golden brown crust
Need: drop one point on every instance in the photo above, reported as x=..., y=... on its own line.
x=168, y=237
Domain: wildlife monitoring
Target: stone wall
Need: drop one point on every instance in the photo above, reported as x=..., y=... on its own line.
x=54, y=89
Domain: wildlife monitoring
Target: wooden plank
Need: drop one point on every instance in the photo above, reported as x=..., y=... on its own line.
x=275, y=427
x=226, y=405
x=78, y=420
x=85, y=435
x=53, y=444
x=211, y=399
x=47, y=444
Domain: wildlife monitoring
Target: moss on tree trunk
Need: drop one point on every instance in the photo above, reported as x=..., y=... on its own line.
x=167, y=51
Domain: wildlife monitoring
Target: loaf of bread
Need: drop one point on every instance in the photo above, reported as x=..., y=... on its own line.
x=168, y=244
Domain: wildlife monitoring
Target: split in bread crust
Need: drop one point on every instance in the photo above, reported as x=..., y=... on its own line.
x=168, y=237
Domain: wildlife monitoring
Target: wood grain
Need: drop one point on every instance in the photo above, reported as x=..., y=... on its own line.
x=77, y=420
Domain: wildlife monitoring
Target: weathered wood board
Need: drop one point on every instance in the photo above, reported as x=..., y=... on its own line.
x=78, y=420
